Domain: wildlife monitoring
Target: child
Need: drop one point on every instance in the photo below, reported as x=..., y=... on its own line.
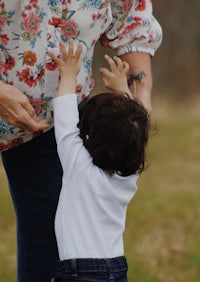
x=101, y=153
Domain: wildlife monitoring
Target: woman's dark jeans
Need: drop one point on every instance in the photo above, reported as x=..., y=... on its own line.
x=92, y=270
x=34, y=175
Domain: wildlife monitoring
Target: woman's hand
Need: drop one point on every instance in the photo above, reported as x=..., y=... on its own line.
x=16, y=110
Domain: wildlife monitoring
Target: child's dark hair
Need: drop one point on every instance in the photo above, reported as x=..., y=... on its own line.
x=114, y=129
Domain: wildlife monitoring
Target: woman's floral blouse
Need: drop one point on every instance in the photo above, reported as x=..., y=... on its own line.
x=30, y=29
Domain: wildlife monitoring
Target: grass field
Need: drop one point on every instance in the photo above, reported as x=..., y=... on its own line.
x=162, y=241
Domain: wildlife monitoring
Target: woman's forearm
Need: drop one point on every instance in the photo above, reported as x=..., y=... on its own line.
x=140, y=67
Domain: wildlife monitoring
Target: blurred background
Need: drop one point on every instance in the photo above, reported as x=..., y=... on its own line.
x=177, y=64
x=162, y=241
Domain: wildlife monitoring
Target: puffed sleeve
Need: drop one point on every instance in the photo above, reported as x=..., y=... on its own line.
x=133, y=28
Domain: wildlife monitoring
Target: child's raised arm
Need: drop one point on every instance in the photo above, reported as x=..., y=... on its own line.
x=116, y=78
x=69, y=66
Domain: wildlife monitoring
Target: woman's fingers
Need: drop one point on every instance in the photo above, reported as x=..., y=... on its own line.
x=16, y=110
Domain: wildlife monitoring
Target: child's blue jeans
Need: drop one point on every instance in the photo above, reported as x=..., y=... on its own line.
x=92, y=270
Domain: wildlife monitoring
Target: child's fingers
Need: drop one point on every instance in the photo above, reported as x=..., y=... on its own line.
x=54, y=57
x=118, y=62
x=111, y=63
x=63, y=51
x=126, y=67
x=77, y=54
x=106, y=76
x=104, y=71
x=71, y=48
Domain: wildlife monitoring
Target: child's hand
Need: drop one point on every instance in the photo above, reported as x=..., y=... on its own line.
x=69, y=66
x=116, y=78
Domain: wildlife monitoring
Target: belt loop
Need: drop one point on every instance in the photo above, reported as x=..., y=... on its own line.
x=74, y=267
x=109, y=268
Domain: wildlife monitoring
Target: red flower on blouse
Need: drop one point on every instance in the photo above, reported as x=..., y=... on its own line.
x=141, y=6
x=78, y=88
x=9, y=63
x=51, y=66
x=26, y=76
x=55, y=21
x=15, y=142
x=4, y=38
x=3, y=146
x=36, y=103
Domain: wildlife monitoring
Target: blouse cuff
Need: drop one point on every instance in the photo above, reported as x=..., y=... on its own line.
x=132, y=48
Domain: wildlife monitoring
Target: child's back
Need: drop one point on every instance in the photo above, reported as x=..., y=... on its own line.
x=92, y=208
x=101, y=153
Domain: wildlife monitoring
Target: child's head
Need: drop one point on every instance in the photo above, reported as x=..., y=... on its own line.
x=114, y=129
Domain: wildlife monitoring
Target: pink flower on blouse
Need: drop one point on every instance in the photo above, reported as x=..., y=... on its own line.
x=69, y=29
x=3, y=19
x=31, y=23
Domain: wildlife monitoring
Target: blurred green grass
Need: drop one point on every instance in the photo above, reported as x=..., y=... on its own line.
x=162, y=241
x=7, y=232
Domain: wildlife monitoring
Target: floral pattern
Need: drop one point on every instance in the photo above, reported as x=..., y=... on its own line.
x=28, y=35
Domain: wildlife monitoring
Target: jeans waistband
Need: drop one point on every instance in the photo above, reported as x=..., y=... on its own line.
x=109, y=265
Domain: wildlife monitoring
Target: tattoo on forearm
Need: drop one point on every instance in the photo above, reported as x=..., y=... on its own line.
x=137, y=77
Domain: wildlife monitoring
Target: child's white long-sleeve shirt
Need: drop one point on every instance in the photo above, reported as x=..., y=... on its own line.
x=91, y=213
